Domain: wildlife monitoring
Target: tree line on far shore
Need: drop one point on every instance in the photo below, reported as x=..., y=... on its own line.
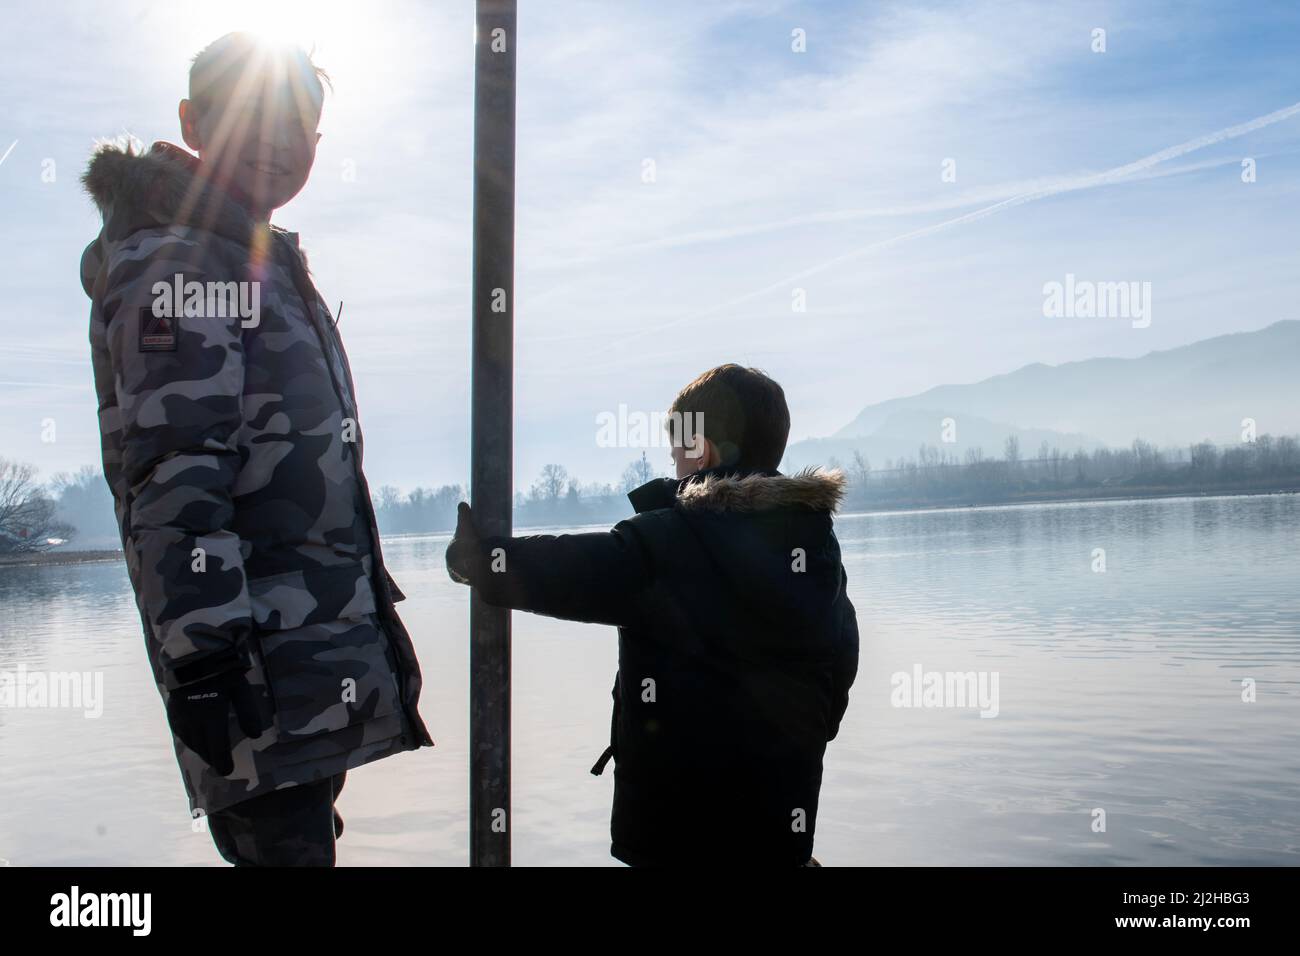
x=554, y=498
x=938, y=478
x=934, y=478
x=76, y=510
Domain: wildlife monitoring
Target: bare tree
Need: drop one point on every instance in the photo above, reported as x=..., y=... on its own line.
x=637, y=473
x=1288, y=452
x=83, y=501
x=1080, y=465
x=550, y=485
x=1204, y=458
x=861, y=470
x=27, y=519
x=388, y=498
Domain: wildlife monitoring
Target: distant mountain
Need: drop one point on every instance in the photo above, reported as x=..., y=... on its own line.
x=1174, y=397
x=901, y=435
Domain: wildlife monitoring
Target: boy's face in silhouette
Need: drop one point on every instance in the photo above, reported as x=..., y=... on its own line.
x=256, y=132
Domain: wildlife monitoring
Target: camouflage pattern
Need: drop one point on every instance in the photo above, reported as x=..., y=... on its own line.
x=243, y=442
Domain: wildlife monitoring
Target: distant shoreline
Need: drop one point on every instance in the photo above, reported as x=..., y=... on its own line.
x=54, y=558
x=57, y=557
x=1064, y=500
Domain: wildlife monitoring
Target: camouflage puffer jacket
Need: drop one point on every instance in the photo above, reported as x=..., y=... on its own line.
x=231, y=445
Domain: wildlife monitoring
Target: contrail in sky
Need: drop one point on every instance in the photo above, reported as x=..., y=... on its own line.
x=1105, y=178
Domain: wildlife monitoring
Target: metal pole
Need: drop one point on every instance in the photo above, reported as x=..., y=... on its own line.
x=491, y=456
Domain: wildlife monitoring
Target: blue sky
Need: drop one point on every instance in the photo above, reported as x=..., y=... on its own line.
x=774, y=170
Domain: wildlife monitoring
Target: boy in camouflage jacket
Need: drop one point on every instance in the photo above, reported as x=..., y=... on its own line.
x=232, y=448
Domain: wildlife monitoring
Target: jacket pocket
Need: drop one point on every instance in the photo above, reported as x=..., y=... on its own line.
x=328, y=662
x=310, y=596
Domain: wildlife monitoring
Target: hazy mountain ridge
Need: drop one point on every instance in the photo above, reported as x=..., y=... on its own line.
x=1173, y=397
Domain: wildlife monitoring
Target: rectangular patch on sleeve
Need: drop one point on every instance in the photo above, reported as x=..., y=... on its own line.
x=157, y=332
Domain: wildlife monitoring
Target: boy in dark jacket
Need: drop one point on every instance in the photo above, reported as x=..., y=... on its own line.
x=737, y=639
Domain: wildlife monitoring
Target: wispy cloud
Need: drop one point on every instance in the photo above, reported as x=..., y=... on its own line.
x=1107, y=177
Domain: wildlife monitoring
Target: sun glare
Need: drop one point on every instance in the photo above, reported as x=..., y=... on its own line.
x=345, y=38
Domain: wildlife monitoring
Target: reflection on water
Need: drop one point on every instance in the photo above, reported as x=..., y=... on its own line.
x=1119, y=691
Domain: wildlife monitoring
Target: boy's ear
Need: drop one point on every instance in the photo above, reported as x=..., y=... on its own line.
x=189, y=125
x=709, y=456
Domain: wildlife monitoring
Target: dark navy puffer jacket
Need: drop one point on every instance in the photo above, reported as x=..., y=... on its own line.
x=737, y=648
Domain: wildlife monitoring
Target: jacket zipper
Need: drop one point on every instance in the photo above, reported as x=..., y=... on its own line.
x=332, y=349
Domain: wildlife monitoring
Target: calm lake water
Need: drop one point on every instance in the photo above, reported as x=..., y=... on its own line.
x=1119, y=690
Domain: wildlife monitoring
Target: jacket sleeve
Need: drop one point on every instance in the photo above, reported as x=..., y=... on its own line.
x=179, y=402
x=845, y=666
x=599, y=578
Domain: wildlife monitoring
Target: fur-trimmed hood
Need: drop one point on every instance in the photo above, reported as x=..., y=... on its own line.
x=811, y=488
x=721, y=490
x=165, y=185
x=162, y=186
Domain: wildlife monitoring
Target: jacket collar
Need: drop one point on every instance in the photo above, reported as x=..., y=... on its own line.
x=738, y=490
x=163, y=186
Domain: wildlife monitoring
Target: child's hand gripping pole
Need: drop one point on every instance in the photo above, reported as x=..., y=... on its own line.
x=465, y=549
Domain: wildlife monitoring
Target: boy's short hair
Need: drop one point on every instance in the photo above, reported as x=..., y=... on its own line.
x=222, y=62
x=743, y=413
